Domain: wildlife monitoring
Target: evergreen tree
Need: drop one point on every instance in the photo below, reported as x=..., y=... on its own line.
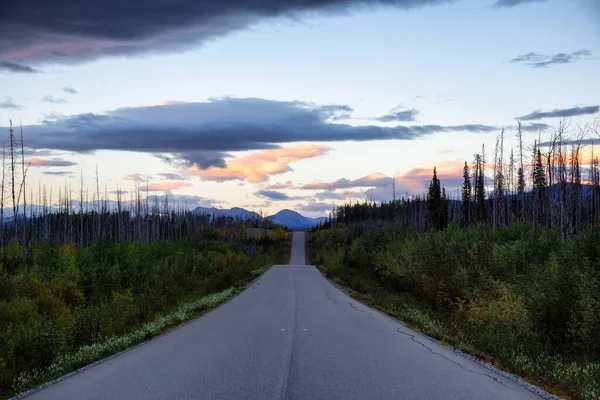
x=434, y=202
x=521, y=192
x=443, y=210
x=539, y=188
x=479, y=183
x=467, y=190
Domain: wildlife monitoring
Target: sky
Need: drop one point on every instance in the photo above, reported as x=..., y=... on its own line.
x=300, y=104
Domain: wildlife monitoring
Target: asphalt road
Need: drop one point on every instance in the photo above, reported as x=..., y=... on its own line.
x=291, y=335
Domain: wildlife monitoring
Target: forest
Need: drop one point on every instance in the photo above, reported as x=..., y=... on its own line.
x=85, y=276
x=509, y=271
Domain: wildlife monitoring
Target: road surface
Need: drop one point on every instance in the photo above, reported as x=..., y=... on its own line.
x=291, y=335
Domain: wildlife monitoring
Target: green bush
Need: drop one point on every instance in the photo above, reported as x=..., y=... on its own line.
x=519, y=294
x=68, y=298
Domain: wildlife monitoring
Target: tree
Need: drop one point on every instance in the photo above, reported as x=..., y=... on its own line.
x=434, y=202
x=539, y=188
x=479, y=184
x=467, y=190
x=521, y=175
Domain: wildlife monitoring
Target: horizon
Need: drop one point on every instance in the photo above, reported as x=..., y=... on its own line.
x=300, y=108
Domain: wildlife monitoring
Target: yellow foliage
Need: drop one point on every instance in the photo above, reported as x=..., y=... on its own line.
x=278, y=234
x=68, y=249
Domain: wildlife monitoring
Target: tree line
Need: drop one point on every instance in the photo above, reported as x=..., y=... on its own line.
x=543, y=182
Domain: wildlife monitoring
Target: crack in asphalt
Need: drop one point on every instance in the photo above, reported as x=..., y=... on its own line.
x=413, y=338
x=359, y=310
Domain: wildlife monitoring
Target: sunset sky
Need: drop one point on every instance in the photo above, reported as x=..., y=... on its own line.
x=287, y=104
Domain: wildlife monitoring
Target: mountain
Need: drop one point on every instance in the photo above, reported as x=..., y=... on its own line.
x=293, y=220
x=235, y=212
x=288, y=218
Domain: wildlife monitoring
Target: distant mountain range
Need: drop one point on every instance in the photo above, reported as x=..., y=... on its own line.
x=288, y=218
x=294, y=220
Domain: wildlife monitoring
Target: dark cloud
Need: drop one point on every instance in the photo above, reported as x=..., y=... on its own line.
x=512, y=3
x=70, y=90
x=560, y=113
x=373, y=180
x=272, y=195
x=536, y=60
x=51, y=99
x=8, y=103
x=582, y=142
x=58, y=173
x=203, y=133
x=275, y=195
x=18, y=68
x=119, y=192
x=71, y=31
x=173, y=176
x=399, y=116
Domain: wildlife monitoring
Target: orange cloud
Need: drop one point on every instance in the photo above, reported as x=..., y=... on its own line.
x=166, y=186
x=257, y=167
x=279, y=185
x=54, y=162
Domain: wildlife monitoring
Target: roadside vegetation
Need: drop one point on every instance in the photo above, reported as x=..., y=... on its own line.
x=66, y=306
x=509, y=272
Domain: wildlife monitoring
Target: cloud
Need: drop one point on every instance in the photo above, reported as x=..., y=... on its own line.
x=512, y=3
x=51, y=99
x=54, y=162
x=119, y=192
x=8, y=103
x=535, y=127
x=280, y=185
x=257, y=167
x=189, y=201
x=338, y=195
x=72, y=32
x=17, y=68
x=378, y=187
x=173, y=176
x=560, y=113
x=137, y=177
x=315, y=207
x=58, y=173
x=399, y=116
x=167, y=186
x=70, y=90
x=373, y=180
x=537, y=60
x=202, y=134
x=275, y=195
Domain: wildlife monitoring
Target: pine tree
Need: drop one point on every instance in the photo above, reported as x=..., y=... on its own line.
x=443, y=210
x=479, y=184
x=434, y=200
x=466, y=196
x=539, y=188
